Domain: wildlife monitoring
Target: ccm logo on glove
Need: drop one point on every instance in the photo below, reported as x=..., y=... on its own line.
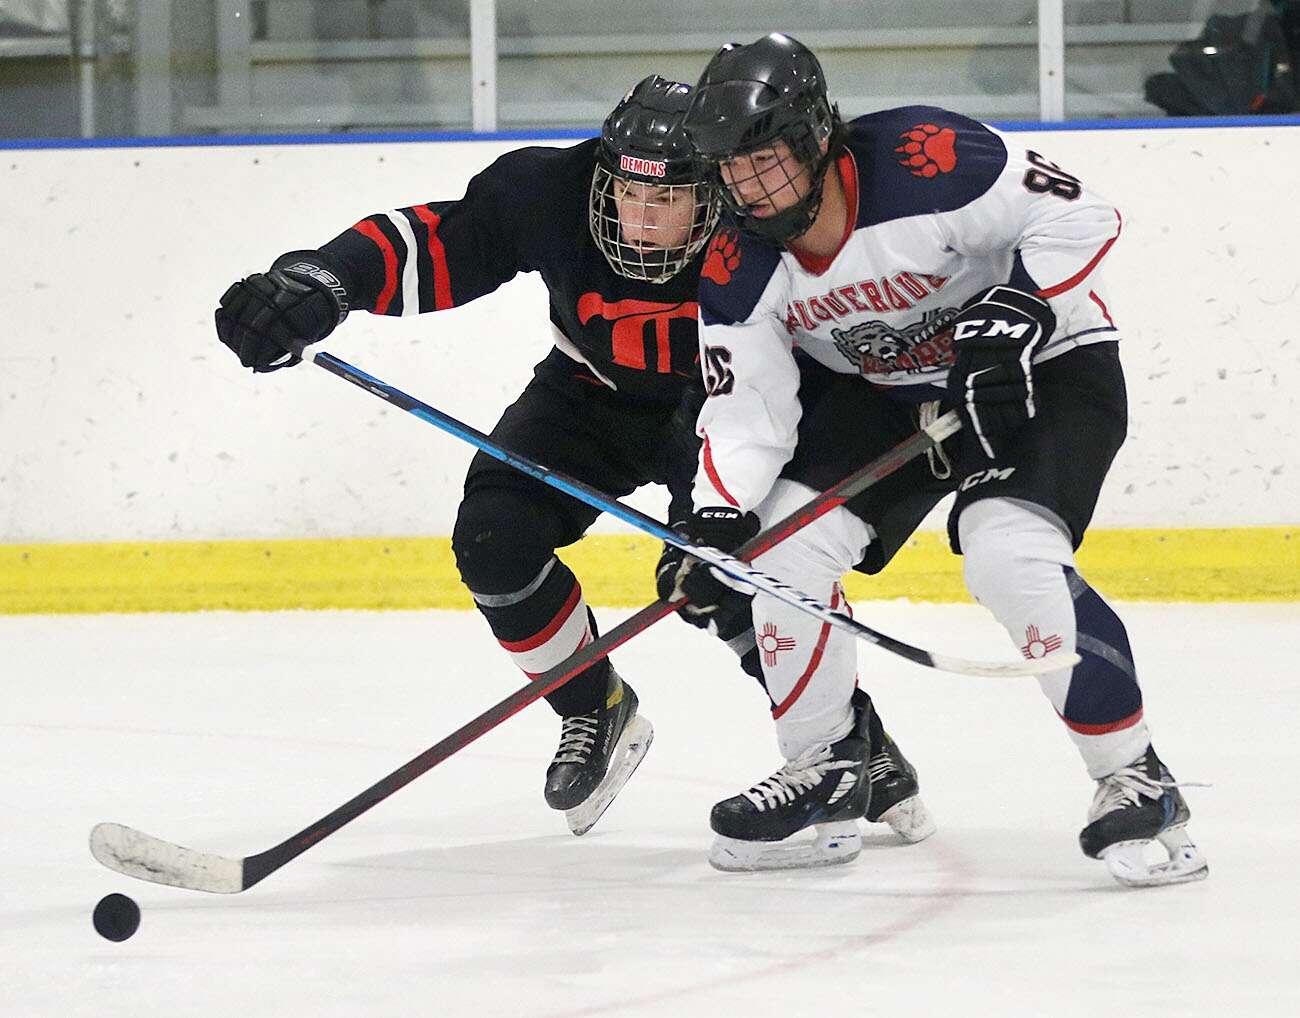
x=988, y=328
x=995, y=337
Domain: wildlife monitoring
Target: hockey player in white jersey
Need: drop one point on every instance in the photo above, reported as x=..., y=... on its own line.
x=873, y=271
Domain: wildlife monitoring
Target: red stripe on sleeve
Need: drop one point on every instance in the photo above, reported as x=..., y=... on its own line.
x=712, y=473
x=438, y=254
x=368, y=229
x=1104, y=312
x=1082, y=274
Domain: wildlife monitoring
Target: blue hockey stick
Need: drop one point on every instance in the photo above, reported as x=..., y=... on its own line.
x=729, y=564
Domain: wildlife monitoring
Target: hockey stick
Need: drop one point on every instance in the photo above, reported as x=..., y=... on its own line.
x=146, y=857
x=729, y=564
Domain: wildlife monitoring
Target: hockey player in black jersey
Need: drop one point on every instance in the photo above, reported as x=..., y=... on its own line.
x=616, y=226
x=875, y=271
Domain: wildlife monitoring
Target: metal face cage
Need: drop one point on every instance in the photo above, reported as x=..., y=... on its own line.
x=646, y=230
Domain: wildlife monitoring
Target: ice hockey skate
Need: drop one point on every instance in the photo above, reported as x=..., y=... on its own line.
x=825, y=788
x=597, y=755
x=1138, y=827
x=895, y=791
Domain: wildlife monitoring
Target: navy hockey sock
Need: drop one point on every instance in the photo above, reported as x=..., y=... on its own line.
x=1104, y=694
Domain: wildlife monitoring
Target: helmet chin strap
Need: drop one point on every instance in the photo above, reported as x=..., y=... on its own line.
x=788, y=224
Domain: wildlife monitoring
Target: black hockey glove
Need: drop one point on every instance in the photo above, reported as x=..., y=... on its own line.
x=712, y=602
x=991, y=381
x=269, y=317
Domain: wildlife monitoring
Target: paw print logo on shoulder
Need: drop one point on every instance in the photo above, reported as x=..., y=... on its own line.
x=723, y=257
x=928, y=150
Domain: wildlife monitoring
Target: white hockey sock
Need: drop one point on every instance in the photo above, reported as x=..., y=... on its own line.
x=809, y=667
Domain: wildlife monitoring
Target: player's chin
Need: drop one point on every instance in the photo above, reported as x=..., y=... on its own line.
x=639, y=246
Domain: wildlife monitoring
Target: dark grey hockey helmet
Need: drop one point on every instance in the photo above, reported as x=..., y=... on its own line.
x=750, y=98
x=650, y=212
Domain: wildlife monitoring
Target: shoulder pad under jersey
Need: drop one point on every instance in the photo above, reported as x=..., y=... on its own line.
x=735, y=272
x=540, y=175
x=918, y=160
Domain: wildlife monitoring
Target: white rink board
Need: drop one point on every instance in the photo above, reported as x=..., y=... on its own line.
x=464, y=895
x=124, y=419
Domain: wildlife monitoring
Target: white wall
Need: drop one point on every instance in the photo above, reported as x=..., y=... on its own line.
x=122, y=418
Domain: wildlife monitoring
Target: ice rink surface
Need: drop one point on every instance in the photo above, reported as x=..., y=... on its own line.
x=464, y=895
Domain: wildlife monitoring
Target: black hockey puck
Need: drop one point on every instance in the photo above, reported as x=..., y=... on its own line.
x=116, y=917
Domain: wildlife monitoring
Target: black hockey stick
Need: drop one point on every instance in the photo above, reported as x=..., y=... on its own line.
x=145, y=857
x=737, y=568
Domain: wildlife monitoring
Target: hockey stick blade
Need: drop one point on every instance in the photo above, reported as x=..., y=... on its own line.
x=145, y=857
x=135, y=854
x=728, y=564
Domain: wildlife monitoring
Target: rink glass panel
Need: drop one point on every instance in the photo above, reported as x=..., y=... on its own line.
x=126, y=68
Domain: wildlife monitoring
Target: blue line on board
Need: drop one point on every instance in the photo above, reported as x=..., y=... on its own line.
x=358, y=138
x=577, y=134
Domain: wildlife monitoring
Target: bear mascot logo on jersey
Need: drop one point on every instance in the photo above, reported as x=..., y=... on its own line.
x=877, y=348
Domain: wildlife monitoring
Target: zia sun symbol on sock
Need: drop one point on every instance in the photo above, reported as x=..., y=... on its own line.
x=1037, y=646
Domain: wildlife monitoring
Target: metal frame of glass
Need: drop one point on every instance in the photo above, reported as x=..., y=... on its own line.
x=242, y=92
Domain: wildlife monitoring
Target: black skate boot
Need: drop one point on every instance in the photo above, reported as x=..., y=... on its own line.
x=1136, y=808
x=826, y=787
x=895, y=790
x=597, y=755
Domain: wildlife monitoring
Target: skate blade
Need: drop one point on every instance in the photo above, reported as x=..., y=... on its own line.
x=910, y=820
x=833, y=845
x=1137, y=863
x=629, y=751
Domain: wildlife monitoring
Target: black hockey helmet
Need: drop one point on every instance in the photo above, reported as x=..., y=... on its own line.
x=650, y=211
x=752, y=96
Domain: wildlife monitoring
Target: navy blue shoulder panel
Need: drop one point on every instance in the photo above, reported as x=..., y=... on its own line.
x=917, y=160
x=735, y=273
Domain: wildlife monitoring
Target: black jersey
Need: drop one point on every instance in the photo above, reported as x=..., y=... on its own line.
x=527, y=212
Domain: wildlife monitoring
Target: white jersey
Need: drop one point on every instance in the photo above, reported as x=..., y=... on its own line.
x=939, y=209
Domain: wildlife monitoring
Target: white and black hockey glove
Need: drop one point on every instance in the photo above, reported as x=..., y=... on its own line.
x=269, y=317
x=991, y=381
x=712, y=600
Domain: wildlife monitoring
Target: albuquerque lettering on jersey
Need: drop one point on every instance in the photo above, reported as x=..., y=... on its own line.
x=884, y=295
